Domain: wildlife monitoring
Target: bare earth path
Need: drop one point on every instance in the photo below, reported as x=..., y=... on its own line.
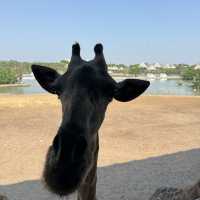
x=152, y=141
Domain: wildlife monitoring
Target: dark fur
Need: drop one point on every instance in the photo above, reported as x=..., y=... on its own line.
x=85, y=91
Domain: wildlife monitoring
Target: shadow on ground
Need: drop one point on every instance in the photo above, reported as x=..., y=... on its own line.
x=134, y=180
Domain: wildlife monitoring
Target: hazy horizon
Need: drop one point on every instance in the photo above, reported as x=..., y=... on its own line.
x=131, y=31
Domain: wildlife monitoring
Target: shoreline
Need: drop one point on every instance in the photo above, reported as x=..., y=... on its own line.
x=15, y=85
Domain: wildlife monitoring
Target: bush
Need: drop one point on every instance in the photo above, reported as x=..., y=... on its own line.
x=12, y=71
x=196, y=80
x=188, y=73
x=7, y=75
x=134, y=69
x=192, y=75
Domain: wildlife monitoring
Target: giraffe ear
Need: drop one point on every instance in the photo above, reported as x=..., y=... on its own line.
x=46, y=77
x=129, y=89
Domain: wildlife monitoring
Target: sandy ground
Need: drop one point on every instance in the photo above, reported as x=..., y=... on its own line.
x=150, y=142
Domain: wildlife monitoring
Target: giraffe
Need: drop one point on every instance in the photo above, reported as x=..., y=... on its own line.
x=85, y=90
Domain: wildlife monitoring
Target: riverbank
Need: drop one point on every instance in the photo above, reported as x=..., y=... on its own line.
x=15, y=85
x=146, y=143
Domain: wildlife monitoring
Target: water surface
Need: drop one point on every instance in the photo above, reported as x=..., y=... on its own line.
x=157, y=87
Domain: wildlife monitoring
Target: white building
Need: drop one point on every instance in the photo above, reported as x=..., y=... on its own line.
x=151, y=67
x=143, y=65
x=197, y=66
x=157, y=65
x=170, y=66
x=28, y=76
x=151, y=76
x=113, y=68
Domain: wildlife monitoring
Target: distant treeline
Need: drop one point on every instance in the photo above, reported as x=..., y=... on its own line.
x=136, y=69
x=12, y=71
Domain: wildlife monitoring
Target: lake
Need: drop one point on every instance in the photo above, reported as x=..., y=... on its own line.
x=157, y=87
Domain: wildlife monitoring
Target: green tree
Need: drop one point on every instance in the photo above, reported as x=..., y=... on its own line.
x=196, y=80
x=7, y=75
x=134, y=69
x=188, y=73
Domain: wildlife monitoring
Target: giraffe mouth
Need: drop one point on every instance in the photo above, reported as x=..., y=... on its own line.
x=63, y=179
x=66, y=163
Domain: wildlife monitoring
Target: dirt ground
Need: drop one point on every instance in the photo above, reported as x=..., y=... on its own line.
x=149, y=142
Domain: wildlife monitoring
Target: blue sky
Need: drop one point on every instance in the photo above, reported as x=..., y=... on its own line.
x=165, y=31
